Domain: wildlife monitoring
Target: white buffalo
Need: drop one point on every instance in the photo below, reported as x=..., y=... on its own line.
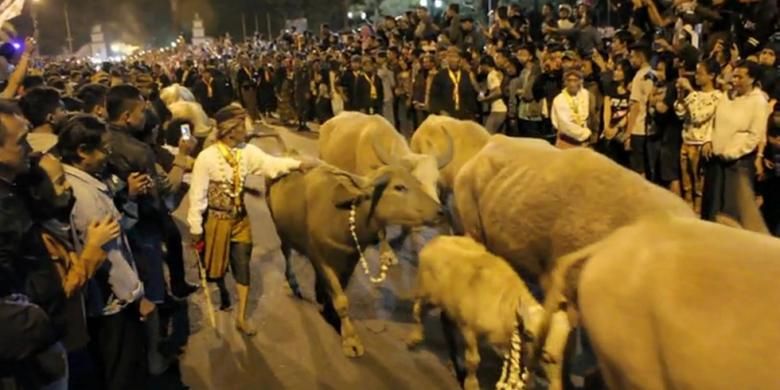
x=174, y=93
x=193, y=113
x=530, y=203
x=675, y=303
x=361, y=144
x=482, y=294
x=434, y=135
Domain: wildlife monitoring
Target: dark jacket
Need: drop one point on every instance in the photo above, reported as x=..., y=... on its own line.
x=131, y=155
x=364, y=103
x=15, y=220
x=208, y=101
x=31, y=298
x=266, y=96
x=349, y=83
x=25, y=266
x=26, y=340
x=187, y=80
x=301, y=88
x=441, y=96
x=472, y=40
x=246, y=79
x=25, y=330
x=547, y=86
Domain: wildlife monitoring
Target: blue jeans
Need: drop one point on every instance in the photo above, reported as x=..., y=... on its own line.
x=146, y=243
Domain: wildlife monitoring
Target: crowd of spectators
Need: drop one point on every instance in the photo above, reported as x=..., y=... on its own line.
x=92, y=163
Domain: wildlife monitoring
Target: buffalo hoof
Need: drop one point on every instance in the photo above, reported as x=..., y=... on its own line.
x=352, y=346
x=471, y=383
x=414, y=339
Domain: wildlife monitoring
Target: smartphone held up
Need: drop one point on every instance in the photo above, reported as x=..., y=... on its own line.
x=186, y=133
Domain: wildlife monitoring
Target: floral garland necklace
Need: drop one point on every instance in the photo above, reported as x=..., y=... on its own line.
x=235, y=188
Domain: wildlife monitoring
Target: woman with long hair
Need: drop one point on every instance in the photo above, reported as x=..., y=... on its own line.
x=616, y=102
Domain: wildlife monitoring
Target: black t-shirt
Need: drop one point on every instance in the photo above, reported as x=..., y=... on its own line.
x=619, y=104
x=667, y=124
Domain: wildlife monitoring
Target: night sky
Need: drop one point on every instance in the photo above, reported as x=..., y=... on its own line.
x=152, y=22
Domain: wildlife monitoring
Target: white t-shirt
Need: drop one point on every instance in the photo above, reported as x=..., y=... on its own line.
x=641, y=87
x=494, y=82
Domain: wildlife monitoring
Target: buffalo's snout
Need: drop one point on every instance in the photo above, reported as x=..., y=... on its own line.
x=439, y=217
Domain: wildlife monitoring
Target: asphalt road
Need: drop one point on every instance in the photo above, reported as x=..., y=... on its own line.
x=296, y=349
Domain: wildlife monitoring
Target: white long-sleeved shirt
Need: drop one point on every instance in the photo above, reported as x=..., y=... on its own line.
x=698, y=112
x=564, y=119
x=739, y=125
x=212, y=166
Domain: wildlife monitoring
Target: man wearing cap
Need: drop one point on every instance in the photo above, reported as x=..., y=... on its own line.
x=570, y=111
x=217, y=189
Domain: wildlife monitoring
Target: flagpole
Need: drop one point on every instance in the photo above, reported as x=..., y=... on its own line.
x=67, y=29
x=268, y=24
x=36, y=31
x=243, y=25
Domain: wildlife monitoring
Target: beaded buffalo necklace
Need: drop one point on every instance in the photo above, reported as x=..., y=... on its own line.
x=235, y=187
x=363, y=262
x=513, y=374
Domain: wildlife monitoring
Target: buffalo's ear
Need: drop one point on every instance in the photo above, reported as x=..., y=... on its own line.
x=380, y=178
x=347, y=190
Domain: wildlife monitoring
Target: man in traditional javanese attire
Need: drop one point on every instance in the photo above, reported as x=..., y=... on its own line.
x=216, y=189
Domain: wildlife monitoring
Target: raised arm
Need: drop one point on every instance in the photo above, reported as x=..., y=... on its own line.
x=21, y=70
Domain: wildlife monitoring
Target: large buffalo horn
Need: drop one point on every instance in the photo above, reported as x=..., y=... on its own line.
x=444, y=158
x=385, y=156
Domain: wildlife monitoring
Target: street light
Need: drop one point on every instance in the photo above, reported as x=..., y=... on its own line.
x=423, y=3
x=349, y=15
x=362, y=15
x=34, y=16
x=437, y=3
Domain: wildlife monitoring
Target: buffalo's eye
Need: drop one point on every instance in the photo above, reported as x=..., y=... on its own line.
x=400, y=188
